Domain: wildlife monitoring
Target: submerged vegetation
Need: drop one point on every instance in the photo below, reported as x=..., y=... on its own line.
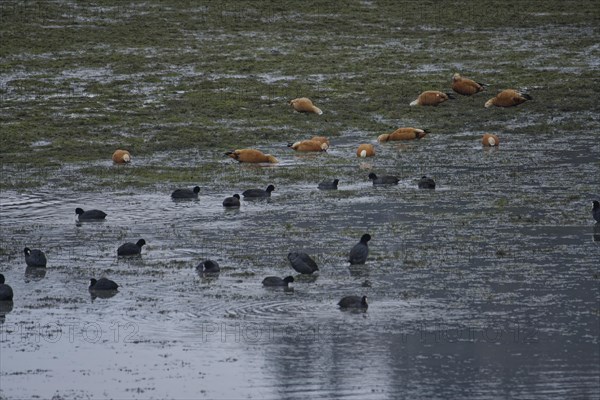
x=78, y=80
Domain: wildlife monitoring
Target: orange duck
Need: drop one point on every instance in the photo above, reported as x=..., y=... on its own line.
x=365, y=150
x=305, y=105
x=121, y=157
x=403, y=134
x=251, y=156
x=465, y=86
x=490, y=140
x=309, y=145
x=431, y=98
x=508, y=98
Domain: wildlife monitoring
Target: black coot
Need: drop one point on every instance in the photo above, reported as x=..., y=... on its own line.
x=131, y=249
x=89, y=214
x=360, y=251
x=302, y=262
x=35, y=258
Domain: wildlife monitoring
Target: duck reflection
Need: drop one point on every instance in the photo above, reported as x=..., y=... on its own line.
x=5, y=308
x=34, y=273
x=208, y=277
x=103, y=294
x=358, y=271
x=306, y=278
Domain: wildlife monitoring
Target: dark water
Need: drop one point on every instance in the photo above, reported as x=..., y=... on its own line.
x=485, y=288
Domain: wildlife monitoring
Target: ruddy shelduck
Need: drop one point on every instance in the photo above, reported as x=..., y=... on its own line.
x=408, y=133
x=465, y=86
x=490, y=140
x=309, y=145
x=365, y=150
x=305, y=105
x=251, y=156
x=508, y=98
x=121, y=157
x=431, y=98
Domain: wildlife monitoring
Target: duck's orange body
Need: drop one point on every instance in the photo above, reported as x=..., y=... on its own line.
x=508, y=98
x=490, y=139
x=403, y=134
x=121, y=157
x=321, y=139
x=431, y=98
x=465, y=86
x=305, y=105
x=251, y=156
x=309, y=145
x=365, y=150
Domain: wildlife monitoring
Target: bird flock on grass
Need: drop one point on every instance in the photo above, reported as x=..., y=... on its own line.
x=301, y=262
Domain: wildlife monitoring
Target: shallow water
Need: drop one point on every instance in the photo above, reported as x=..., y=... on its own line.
x=469, y=297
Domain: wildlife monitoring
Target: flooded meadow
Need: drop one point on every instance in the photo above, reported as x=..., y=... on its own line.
x=486, y=287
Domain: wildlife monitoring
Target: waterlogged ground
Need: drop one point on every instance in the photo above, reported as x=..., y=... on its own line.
x=485, y=288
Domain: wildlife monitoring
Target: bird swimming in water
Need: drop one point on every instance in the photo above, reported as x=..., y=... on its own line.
x=208, y=266
x=131, y=249
x=426, y=183
x=6, y=292
x=102, y=284
x=302, y=262
x=356, y=302
x=186, y=193
x=277, y=281
x=232, y=202
x=383, y=180
x=258, y=193
x=360, y=251
x=35, y=258
x=490, y=140
x=596, y=210
x=329, y=185
x=89, y=214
